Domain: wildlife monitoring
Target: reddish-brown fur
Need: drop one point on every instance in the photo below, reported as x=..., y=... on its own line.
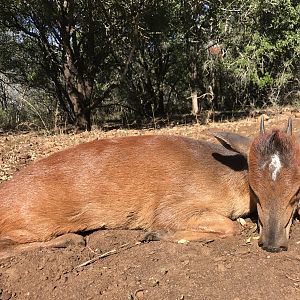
x=179, y=187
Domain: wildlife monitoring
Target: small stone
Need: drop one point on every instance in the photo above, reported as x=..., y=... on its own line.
x=154, y=282
x=248, y=240
x=139, y=294
x=182, y=241
x=221, y=268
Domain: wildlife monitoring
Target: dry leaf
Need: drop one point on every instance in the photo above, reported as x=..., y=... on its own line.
x=242, y=221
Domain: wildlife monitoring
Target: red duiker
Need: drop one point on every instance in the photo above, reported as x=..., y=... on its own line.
x=177, y=187
x=274, y=177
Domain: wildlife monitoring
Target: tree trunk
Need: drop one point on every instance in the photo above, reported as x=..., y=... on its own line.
x=193, y=84
x=161, y=106
x=195, y=107
x=82, y=113
x=79, y=80
x=79, y=91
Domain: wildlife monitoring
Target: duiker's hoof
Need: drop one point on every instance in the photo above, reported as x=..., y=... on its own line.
x=150, y=237
x=63, y=241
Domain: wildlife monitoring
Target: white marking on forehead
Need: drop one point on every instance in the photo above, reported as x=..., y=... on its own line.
x=275, y=165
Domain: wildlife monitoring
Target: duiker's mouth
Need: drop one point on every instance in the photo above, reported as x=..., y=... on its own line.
x=273, y=249
x=273, y=237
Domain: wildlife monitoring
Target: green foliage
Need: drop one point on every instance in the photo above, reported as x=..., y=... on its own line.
x=138, y=58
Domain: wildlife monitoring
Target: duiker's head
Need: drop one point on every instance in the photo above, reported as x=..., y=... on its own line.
x=274, y=177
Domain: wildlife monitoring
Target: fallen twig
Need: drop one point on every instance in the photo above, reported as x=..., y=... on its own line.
x=291, y=257
x=108, y=253
x=96, y=258
x=291, y=278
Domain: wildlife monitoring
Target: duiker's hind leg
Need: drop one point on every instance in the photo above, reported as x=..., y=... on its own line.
x=9, y=248
x=205, y=227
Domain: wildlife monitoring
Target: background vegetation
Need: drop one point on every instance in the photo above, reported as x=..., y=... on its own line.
x=86, y=62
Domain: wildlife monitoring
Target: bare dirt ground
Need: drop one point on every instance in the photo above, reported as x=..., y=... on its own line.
x=112, y=266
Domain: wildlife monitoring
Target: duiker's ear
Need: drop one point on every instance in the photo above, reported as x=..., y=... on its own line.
x=233, y=141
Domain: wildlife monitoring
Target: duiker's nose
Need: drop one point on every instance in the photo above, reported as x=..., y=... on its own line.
x=274, y=249
x=274, y=236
